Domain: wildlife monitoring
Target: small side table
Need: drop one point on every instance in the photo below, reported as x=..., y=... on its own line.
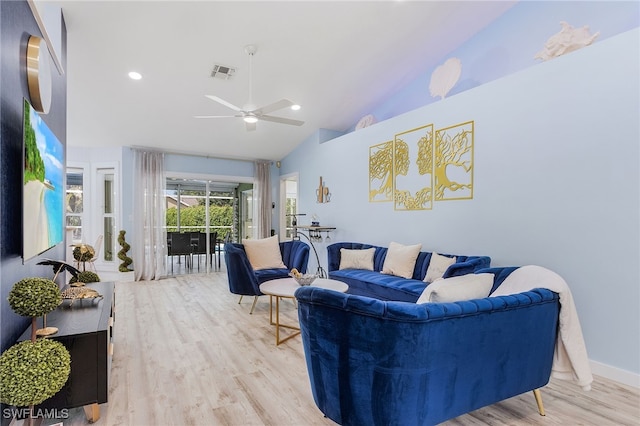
x=285, y=288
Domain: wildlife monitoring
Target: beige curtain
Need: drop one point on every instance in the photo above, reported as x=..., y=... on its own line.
x=262, y=199
x=149, y=246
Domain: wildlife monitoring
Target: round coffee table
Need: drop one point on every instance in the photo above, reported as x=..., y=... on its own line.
x=285, y=288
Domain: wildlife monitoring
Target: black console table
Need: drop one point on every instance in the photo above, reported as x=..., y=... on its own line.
x=315, y=232
x=85, y=328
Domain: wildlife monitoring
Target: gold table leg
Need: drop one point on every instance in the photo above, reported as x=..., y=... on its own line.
x=277, y=322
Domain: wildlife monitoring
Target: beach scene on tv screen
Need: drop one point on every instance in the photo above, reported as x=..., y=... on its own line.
x=43, y=192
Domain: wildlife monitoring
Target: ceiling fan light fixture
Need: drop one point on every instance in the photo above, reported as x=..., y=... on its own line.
x=249, y=112
x=295, y=107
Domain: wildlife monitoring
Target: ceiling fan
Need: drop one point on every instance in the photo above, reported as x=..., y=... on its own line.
x=249, y=113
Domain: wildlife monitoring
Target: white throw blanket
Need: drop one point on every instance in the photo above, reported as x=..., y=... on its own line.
x=570, y=361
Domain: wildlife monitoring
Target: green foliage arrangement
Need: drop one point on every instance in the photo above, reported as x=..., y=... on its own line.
x=85, y=277
x=122, y=254
x=31, y=372
x=34, y=297
x=83, y=252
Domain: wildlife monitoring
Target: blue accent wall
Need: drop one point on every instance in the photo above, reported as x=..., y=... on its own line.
x=18, y=24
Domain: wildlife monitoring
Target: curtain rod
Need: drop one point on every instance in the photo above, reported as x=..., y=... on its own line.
x=195, y=154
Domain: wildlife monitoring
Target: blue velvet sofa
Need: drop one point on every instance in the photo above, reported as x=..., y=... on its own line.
x=390, y=287
x=375, y=362
x=245, y=281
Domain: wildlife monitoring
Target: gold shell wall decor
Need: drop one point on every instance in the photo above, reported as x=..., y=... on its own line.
x=381, y=172
x=453, y=169
x=412, y=176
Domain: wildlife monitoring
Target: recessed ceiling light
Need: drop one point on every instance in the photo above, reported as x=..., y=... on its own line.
x=295, y=107
x=135, y=75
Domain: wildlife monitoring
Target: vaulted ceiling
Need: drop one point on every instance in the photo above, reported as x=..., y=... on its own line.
x=338, y=60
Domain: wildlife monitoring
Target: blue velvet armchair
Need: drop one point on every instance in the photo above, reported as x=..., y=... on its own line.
x=376, y=362
x=245, y=281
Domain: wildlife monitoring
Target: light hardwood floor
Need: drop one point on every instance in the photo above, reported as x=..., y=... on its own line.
x=186, y=353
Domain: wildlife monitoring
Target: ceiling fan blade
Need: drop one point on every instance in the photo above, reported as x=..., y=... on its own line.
x=281, y=120
x=223, y=102
x=258, y=113
x=282, y=103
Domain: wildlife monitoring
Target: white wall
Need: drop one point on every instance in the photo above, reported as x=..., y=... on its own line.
x=556, y=184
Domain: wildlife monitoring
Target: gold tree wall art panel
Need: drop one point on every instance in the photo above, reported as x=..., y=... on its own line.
x=381, y=172
x=413, y=169
x=453, y=170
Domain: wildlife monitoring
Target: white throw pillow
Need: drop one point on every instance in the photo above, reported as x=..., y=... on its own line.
x=438, y=266
x=455, y=289
x=264, y=253
x=357, y=259
x=401, y=260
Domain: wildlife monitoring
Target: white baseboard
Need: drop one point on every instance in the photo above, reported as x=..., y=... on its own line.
x=616, y=374
x=116, y=276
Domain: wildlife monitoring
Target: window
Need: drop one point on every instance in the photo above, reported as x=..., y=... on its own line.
x=247, y=214
x=107, y=207
x=289, y=199
x=74, y=204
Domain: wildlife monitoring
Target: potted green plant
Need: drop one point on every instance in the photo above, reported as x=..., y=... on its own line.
x=122, y=254
x=85, y=277
x=34, y=370
x=34, y=297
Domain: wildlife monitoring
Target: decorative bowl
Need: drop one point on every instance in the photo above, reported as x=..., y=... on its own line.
x=305, y=279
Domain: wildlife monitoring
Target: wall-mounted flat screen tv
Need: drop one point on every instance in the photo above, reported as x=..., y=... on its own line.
x=43, y=191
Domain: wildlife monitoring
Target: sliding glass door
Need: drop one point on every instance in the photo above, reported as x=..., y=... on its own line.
x=203, y=206
x=190, y=202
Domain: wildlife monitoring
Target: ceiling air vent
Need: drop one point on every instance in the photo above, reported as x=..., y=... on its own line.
x=222, y=72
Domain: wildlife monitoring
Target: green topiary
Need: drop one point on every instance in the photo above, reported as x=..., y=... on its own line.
x=83, y=252
x=85, y=277
x=122, y=254
x=31, y=372
x=34, y=297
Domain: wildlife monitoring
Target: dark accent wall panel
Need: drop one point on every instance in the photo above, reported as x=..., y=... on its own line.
x=17, y=24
